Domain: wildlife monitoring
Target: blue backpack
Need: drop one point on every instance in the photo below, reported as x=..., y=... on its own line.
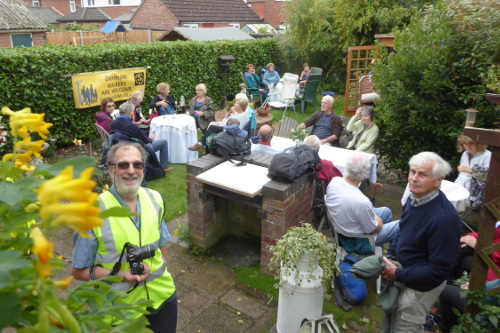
x=348, y=287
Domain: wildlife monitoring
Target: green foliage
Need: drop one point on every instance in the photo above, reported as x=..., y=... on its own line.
x=487, y=318
x=322, y=31
x=297, y=244
x=38, y=77
x=432, y=78
x=78, y=26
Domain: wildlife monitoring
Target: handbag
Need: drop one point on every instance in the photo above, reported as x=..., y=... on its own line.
x=323, y=324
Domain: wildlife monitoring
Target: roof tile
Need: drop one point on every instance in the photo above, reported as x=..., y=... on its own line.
x=211, y=11
x=15, y=16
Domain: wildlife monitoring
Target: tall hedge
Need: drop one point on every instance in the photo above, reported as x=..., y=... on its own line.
x=38, y=77
x=436, y=73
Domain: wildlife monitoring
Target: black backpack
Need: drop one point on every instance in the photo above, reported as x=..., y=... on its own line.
x=293, y=162
x=227, y=145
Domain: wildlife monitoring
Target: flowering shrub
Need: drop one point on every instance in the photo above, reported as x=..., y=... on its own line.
x=298, y=134
x=34, y=201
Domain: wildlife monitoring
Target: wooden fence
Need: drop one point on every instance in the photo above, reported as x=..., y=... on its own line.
x=97, y=37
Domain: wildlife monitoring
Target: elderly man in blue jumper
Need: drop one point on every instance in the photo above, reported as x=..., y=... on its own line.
x=429, y=235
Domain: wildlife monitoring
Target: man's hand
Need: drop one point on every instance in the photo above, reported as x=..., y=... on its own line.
x=200, y=114
x=133, y=278
x=152, y=137
x=389, y=273
x=324, y=141
x=468, y=240
x=302, y=126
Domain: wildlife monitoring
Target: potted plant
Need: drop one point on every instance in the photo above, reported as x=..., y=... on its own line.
x=298, y=134
x=299, y=252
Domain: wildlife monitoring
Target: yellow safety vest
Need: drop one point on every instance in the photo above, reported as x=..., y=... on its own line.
x=116, y=231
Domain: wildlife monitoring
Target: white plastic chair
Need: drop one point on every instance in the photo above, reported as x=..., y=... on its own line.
x=341, y=252
x=102, y=132
x=287, y=94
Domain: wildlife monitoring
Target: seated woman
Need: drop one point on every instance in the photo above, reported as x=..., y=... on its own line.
x=238, y=111
x=103, y=118
x=202, y=108
x=304, y=75
x=365, y=130
x=271, y=77
x=473, y=168
x=139, y=119
x=163, y=104
x=253, y=82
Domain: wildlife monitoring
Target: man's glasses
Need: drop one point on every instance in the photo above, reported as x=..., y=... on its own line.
x=110, y=105
x=126, y=165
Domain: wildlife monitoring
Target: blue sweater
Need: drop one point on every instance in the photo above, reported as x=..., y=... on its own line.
x=427, y=243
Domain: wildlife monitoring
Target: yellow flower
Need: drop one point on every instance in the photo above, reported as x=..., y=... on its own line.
x=32, y=207
x=26, y=145
x=77, y=142
x=43, y=250
x=70, y=202
x=64, y=283
x=22, y=122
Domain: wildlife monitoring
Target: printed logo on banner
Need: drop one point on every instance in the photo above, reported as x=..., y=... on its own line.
x=139, y=79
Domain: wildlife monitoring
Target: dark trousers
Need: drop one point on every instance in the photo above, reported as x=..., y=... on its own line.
x=463, y=263
x=210, y=130
x=449, y=299
x=165, y=319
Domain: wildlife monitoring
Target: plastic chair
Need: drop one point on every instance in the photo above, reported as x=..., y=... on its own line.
x=285, y=125
x=251, y=93
x=102, y=132
x=316, y=70
x=341, y=251
x=310, y=91
x=287, y=94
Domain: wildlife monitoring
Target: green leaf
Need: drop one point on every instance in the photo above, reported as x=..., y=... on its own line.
x=10, y=193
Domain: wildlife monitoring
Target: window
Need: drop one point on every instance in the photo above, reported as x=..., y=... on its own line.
x=22, y=40
x=90, y=3
x=36, y=3
x=72, y=5
x=236, y=25
x=113, y=2
x=191, y=25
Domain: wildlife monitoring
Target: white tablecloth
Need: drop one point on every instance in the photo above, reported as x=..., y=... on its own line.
x=338, y=156
x=180, y=132
x=457, y=194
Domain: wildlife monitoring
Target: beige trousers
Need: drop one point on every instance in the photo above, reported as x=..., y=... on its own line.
x=413, y=306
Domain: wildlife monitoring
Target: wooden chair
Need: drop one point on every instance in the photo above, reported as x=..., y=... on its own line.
x=341, y=251
x=102, y=132
x=310, y=91
x=285, y=125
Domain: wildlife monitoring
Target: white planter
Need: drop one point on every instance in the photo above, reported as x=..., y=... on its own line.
x=299, y=299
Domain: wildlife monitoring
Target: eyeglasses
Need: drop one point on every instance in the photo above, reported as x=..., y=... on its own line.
x=126, y=165
x=110, y=105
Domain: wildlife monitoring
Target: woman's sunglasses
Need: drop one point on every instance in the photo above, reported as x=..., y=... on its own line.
x=126, y=165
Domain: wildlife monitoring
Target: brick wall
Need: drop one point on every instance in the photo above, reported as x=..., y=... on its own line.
x=5, y=40
x=38, y=38
x=154, y=15
x=115, y=11
x=258, y=7
x=60, y=5
x=283, y=205
x=273, y=12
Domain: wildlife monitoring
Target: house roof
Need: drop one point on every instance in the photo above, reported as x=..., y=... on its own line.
x=46, y=14
x=89, y=14
x=254, y=28
x=113, y=26
x=204, y=34
x=15, y=16
x=211, y=11
x=125, y=18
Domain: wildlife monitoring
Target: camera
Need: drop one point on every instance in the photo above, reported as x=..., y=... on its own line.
x=137, y=254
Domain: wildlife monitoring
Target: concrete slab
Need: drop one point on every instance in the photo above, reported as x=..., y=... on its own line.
x=220, y=318
x=211, y=277
x=244, y=304
x=193, y=301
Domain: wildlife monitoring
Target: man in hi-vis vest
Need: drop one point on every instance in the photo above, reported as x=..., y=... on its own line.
x=131, y=247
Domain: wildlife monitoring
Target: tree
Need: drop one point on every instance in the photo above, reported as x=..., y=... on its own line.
x=434, y=75
x=322, y=31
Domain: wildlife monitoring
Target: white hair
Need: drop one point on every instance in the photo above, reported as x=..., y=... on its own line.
x=313, y=141
x=357, y=166
x=440, y=167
